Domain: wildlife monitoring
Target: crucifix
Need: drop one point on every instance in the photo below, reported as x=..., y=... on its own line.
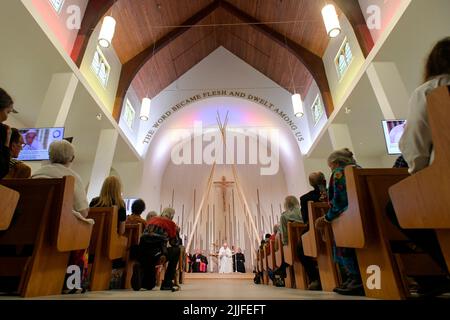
x=224, y=184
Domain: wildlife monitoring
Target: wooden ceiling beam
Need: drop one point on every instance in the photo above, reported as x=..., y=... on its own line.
x=131, y=68
x=95, y=10
x=352, y=10
x=311, y=61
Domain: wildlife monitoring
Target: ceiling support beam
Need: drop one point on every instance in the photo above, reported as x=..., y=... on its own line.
x=311, y=61
x=131, y=68
x=352, y=10
x=95, y=10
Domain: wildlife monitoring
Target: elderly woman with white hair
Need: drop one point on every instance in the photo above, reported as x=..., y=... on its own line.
x=62, y=154
x=160, y=238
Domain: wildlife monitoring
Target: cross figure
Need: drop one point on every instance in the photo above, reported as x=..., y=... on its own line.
x=224, y=184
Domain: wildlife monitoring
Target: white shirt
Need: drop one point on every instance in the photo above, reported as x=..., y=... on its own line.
x=416, y=144
x=57, y=171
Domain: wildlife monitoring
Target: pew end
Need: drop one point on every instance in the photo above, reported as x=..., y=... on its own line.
x=105, y=246
x=44, y=225
x=320, y=246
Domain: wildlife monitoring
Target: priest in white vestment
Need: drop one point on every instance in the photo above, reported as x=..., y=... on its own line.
x=225, y=259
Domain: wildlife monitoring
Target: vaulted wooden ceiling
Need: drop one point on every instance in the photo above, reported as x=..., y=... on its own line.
x=158, y=41
x=141, y=22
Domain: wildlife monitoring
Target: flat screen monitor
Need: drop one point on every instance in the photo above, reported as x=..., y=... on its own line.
x=37, y=142
x=393, y=131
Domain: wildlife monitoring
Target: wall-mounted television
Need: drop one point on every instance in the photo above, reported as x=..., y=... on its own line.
x=393, y=131
x=37, y=142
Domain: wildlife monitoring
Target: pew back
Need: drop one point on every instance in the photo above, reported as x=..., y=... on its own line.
x=43, y=221
x=422, y=201
x=319, y=244
x=106, y=245
x=7, y=206
x=367, y=191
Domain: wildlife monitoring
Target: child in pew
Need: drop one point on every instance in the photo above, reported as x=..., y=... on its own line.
x=416, y=146
x=337, y=194
x=137, y=208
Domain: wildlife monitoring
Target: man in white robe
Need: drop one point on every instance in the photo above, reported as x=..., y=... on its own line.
x=225, y=259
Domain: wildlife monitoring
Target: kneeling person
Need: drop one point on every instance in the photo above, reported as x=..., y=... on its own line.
x=160, y=232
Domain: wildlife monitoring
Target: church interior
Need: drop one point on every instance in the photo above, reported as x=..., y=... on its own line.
x=268, y=137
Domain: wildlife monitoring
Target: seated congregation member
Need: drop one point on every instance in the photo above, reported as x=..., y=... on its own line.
x=111, y=195
x=276, y=230
x=150, y=215
x=62, y=154
x=293, y=213
x=137, y=208
x=6, y=107
x=159, y=239
x=416, y=146
x=199, y=262
x=337, y=194
x=17, y=169
x=319, y=194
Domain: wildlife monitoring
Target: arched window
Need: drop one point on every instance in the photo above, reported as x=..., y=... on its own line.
x=100, y=67
x=343, y=58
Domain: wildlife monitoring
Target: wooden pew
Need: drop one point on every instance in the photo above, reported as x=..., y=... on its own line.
x=105, y=246
x=422, y=201
x=266, y=264
x=320, y=246
x=279, y=258
x=265, y=279
x=365, y=227
x=44, y=223
x=295, y=273
x=271, y=263
x=133, y=233
x=8, y=204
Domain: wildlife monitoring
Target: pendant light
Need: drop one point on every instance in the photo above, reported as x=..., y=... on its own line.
x=145, y=109
x=107, y=32
x=297, y=104
x=331, y=20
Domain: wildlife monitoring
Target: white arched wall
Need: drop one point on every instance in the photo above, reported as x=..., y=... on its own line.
x=242, y=114
x=166, y=184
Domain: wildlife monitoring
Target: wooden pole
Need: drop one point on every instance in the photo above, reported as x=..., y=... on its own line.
x=205, y=196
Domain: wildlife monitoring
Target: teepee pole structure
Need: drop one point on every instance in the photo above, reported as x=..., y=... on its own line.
x=223, y=128
x=200, y=208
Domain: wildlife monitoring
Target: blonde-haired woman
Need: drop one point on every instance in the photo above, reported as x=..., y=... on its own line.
x=111, y=195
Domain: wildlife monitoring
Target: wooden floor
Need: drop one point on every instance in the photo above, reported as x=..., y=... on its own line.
x=208, y=287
